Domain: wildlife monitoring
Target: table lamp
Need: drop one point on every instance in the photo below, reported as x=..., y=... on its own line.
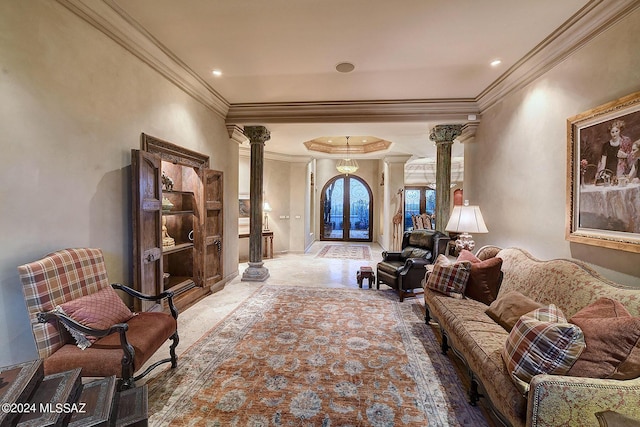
x=266, y=208
x=466, y=219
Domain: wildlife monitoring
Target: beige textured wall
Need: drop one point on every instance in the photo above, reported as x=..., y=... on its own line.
x=516, y=168
x=72, y=106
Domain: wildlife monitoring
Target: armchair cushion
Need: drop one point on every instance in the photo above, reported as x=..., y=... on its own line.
x=100, y=310
x=391, y=267
x=147, y=332
x=413, y=252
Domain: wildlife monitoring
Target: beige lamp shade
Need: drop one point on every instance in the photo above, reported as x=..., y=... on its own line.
x=466, y=219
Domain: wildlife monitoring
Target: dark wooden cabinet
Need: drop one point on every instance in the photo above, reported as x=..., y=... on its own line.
x=177, y=222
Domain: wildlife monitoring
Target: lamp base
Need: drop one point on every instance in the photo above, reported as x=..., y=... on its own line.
x=464, y=241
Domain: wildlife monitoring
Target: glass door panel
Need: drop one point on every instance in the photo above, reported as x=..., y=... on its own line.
x=333, y=221
x=346, y=209
x=359, y=203
x=411, y=207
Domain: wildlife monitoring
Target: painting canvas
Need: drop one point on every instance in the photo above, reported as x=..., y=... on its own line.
x=603, y=180
x=245, y=207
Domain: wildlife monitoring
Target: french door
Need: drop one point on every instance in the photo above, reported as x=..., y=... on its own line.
x=346, y=209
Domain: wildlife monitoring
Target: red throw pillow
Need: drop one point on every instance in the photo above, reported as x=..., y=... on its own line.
x=613, y=341
x=484, y=280
x=99, y=310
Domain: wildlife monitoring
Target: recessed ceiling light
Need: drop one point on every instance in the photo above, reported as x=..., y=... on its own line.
x=496, y=62
x=216, y=73
x=345, y=67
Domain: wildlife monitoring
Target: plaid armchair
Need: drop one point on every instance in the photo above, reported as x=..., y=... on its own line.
x=79, y=321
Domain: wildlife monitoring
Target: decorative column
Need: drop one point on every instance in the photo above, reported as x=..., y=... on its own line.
x=256, y=272
x=443, y=136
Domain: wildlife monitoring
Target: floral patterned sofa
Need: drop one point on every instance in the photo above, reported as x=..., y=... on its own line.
x=551, y=400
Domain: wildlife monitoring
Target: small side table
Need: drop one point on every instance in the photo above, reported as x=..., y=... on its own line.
x=365, y=272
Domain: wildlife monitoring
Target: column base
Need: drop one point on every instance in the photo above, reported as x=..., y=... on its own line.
x=255, y=273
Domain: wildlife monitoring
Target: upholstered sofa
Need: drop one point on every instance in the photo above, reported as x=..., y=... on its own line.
x=404, y=271
x=479, y=341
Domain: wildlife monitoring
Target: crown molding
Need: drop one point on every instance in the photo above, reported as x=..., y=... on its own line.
x=236, y=134
x=350, y=111
x=110, y=19
x=590, y=21
x=594, y=18
x=245, y=151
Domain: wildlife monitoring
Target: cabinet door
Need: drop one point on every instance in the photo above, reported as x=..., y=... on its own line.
x=212, y=227
x=147, y=226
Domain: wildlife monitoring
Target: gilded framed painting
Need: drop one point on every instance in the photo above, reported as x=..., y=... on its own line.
x=603, y=176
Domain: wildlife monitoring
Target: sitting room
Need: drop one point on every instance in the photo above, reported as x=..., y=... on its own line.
x=277, y=189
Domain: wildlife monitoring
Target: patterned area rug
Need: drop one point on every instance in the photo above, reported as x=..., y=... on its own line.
x=291, y=356
x=345, y=252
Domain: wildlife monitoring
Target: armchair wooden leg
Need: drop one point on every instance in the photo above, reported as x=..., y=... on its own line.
x=172, y=350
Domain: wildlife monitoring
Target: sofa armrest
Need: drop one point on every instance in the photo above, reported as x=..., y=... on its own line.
x=564, y=400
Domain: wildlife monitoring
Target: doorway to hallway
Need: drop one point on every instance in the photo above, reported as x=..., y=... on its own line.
x=346, y=209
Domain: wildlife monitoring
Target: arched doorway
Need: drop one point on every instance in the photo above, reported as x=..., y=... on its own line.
x=346, y=209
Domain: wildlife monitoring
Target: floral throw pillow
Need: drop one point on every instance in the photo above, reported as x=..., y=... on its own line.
x=449, y=278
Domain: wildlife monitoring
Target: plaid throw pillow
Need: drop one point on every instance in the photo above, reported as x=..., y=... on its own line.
x=447, y=277
x=541, y=342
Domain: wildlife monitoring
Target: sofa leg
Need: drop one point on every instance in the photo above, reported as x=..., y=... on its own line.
x=444, y=346
x=427, y=315
x=474, y=396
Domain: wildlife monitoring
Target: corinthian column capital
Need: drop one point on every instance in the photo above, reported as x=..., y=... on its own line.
x=445, y=133
x=259, y=134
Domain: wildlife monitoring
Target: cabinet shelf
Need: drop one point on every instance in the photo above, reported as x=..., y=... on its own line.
x=190, y=212
x=180, y=284
x=189, y=268
x=176, y=248
x=188, y=193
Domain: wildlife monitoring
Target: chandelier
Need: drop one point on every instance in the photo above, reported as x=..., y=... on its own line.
x=347, y=165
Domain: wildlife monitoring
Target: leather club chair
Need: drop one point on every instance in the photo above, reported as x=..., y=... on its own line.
x=405, y=270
